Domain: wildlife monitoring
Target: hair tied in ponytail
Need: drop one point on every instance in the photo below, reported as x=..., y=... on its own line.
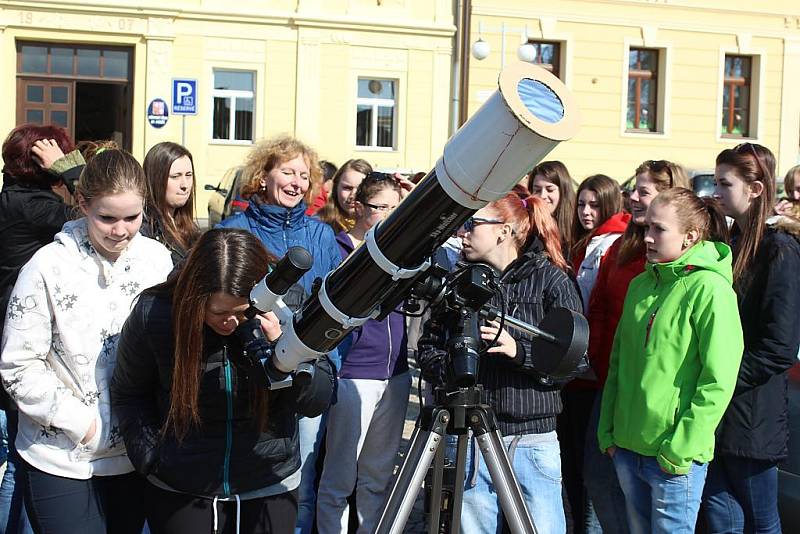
x=524, y=202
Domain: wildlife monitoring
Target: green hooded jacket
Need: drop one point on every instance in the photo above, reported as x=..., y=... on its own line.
x=675, y=359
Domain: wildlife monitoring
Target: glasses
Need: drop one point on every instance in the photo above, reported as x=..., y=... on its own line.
x=380, y=207
x=470, y=224
x=659, y=166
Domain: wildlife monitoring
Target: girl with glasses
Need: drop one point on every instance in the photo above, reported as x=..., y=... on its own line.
x=742, y=489
x=365, y=425
x=517, y=237
x=673, y=364
x=624, y=260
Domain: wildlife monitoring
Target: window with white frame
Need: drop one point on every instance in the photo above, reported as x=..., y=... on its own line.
x=234, y=92
x=376, y=113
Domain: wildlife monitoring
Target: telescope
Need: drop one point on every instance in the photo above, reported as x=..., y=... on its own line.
x=530, y=113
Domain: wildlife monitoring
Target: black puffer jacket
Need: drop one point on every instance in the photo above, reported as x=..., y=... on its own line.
x=756, y=422
x=226, y=454
x=514, y=388
x=29, y=218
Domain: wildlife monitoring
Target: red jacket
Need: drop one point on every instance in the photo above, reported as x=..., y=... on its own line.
x=616, y=224
x=605, y=308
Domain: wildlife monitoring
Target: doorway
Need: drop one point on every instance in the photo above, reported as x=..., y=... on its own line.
x=87, y=90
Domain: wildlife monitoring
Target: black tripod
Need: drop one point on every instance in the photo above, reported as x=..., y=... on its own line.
x=455, y=413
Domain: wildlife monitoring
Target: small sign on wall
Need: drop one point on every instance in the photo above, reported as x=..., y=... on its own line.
x=157, y=113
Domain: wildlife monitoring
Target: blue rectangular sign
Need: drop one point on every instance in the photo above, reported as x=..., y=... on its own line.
x=184, y=97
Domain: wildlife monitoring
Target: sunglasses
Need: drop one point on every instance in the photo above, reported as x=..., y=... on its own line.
x=470, y=224
x=659, y=166
x=750, y=149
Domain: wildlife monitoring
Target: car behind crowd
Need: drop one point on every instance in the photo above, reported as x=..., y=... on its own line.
x=225, y=199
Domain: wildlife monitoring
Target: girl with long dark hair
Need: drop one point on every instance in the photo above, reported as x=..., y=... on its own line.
x=219, y=452
x=59, y=353
x=169, y=215
x=550, y=181
x=742, y=490
x=598, y=224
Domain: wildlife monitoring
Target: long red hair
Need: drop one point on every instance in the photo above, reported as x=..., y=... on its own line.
x=531, y=219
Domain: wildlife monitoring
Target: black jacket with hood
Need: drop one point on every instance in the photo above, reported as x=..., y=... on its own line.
x=524, y=401
x=756, y=423
x=226, y=454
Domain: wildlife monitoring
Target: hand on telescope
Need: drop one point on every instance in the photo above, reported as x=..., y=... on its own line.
x=506, y=345
x=270, y=325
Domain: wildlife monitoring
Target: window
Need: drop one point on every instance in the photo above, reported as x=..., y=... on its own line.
x=233, y=105
x=548, y=56
x=375, y=113
x=642, y=110
x=736, y=96
x=112, y=64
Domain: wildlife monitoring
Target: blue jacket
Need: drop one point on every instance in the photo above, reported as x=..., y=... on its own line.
x=280, y=228
x=377, y=349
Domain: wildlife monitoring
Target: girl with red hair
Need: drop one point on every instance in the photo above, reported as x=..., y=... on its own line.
x=517, y=237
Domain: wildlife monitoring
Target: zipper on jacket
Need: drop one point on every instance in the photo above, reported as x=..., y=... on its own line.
x=650, y=326
x=226, y=467
x=389, y=359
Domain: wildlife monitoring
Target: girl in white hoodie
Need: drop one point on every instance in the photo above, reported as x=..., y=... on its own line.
x=59, y=351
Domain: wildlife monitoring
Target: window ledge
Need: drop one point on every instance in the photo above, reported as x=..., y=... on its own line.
x=643, y=134
x=230, y=142
x=375, y=149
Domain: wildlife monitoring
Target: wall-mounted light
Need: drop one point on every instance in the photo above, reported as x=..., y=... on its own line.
x=527, y=52
x=480, y=49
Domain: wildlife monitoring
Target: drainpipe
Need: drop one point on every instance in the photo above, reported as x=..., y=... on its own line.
x=459, y=100
x=466, y=18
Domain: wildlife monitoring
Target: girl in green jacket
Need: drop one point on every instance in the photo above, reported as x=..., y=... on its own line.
x=673, y=364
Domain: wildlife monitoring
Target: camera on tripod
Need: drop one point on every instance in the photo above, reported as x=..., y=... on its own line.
x=459, y=301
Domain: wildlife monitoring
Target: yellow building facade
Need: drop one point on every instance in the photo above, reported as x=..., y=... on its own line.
x=354, y=78
x=655, y=79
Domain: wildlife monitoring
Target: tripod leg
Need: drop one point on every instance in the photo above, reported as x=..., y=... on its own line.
x=458, y=490
x=424, y=444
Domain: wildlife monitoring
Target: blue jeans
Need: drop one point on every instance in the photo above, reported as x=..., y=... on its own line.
x=311, y=432
x=536, y=462
x=13, y=517
x=656, y=501
x=600, y=478
x=741, y=495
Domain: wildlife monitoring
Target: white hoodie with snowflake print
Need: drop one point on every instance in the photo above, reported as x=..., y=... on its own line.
x=59, y=349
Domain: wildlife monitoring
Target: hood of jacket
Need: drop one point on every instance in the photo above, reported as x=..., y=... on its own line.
x=706, y=255
x=616, y=224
